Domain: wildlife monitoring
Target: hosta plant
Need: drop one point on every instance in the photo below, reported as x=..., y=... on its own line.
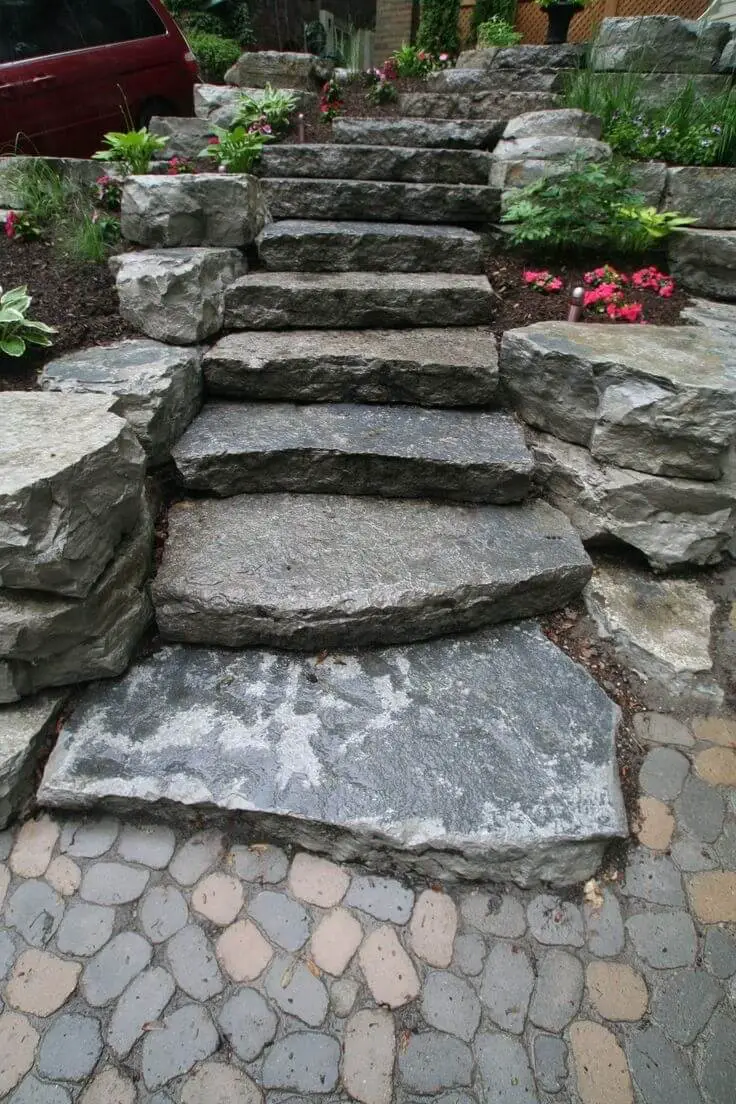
x=236, y=150
x=133, y=149
x=272, y=107
x=17, y=331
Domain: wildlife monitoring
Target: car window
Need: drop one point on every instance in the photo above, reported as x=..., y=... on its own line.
x=35, y=28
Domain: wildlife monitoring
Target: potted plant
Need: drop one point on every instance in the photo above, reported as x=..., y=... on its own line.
x=559, y=16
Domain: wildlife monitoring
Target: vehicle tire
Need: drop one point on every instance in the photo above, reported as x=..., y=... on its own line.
x=155, y=107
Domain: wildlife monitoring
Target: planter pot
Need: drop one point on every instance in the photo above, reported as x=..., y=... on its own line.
x=559, y=17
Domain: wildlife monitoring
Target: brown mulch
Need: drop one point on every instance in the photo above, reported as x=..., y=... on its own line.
x=355, y=106
x=78, y=299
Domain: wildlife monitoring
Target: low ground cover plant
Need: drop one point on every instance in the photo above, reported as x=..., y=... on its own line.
x=131, y=149
x=413, y=61
x=381, y=90
x=17, y=330
x=236, y=150
x=609, y=291
x=272, y=108
x=497, y=32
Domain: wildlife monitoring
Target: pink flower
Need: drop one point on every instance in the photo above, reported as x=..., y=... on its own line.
x=11, y=222
x=444, y=57
x=214, y=141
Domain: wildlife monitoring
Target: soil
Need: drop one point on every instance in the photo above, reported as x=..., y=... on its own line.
x=356, y=105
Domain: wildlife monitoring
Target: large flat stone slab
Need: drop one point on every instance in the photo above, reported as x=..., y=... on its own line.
x=658, y=399
x=407, y=366
x=24, y=731
x=707, y=193
x=494, y=80
x=420, y=133
x=304, y=246
x=214, y=209
x=356, y=300
x=156, y=388
x=318, y=571
x=279, y=69
x=371, y=162
x=438, y=758
x=395, y=451
x=71, y=476
x=473, y=105
x=380, y=201
x=704, y=261
x=565, y=55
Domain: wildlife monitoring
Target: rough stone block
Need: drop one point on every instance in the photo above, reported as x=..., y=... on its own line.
x=185, y=138
x=332, y=160
x=24, y=730
x=704, y=261
x=214, y=209
x=705, y=193
x=517, y=162
x=218, y=104
x=420, y=133
x=281, y=70
x=659, y=43
x=553, y=123
x=473, y=105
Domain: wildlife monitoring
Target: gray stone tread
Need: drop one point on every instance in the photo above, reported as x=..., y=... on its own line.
x=394, y=451
x=304, y=571
x=371, y=162
x=474, y=106
x=420, y=133
x=350, y=753
x=382, y=200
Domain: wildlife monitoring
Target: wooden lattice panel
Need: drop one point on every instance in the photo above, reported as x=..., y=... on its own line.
x=532, y=21
x=465, y=24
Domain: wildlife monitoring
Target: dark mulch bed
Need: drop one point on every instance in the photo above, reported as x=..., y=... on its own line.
x=78, y=299
x=356, y=106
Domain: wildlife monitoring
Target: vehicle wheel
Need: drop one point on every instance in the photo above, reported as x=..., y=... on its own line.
x=154, y=107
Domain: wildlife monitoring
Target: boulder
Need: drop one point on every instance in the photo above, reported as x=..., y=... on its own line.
x=219, y=103
x=71, y=475
x=659, y=43
x=673, y=522
x=495, y=80
x=714, y=316
x=727, y=60
x=176, y=295
x=659, y=89
x=156, y=388
x=704, y=261
x=563, y=122
x=25, y=730
x=568, y=55
x=281, y=70
x=649, y=179
x=184, y=137
x=419, y=133
x=47, y=640
x=703, y=192
x=658, y=399
x=516, y=162
x=216, y=209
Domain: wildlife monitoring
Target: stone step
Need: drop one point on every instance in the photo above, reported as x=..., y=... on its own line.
x=473, y=105
x=356, y=300
x=458, y=134
x=324, y=571
x=437, y=759
x=404, y=366
x=380, y=200
x=495, y=80
x=233, y=448
x=303, y=246
x=375, y=162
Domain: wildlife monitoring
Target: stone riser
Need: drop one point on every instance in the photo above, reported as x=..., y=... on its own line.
x=381, y=201
x=456, y=134
x=398, y=164
x=496, y=80
x=481, y=105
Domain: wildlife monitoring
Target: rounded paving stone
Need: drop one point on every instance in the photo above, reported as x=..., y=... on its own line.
x=114, y=967
x=261, y=863
x=601, y=1073
x=109, y=1087
x=663, y=773
x=700, y=810
x=64, y=875
x=249, y=1023
x=664, y=940
x=506, y=988
x=335, y=941
x=149, y=845
x=35, y=911
x=661, y=1075
x=110, y=883
x=717, y=766
x=70, y=1048
x=41, y=982
x=142, y=1002
x=195, y=857
x=616, y=991
x=450, y=1005
x=219, y=898
x=33, y=1091
x=85, y=929
x=216, y=1083
x=187, y=1036
x=494, y=913
x=432, y=1061
x=343, y=995
x=432, y=928
x=89, y=839
x=555, y=922
x=713, y=896
x=162, y=913
x=317, y=881
x=470, y=951
x=284, y=921
x=193, y=964
x=18, y=1039
x=304, y=1062
x=683, y=1003
x=504, y=1069
x=550, y=1062
x=382, y=898
x=718, y=1059
x=369, y=1051
x=558, y=991
x=292, y=986
x=34, y=846
x=719, y=953
x=387, y=969
x=242, y=951
x=653, y=878
x=604, y=926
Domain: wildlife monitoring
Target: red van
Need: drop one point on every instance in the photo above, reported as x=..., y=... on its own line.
x=70, y=70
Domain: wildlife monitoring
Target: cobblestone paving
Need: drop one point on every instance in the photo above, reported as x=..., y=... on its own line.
x=142, y=965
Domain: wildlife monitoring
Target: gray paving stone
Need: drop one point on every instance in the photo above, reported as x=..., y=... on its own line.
x=719, y=953
x=717, y=1065
x=470, y=952
x=304, y=1061
x=653, y=878
x=550, y=1062
x=33, y=1091
x=658, y=1070
x=142, y=1002
x=162, y=913
x=504, y=1069
x=508, y=980
x=682, y=1003
x=6, y=844
x=261, y=863
x=605, y=927
x=110, y=883
x=296, y=991
x=494, y=913
x=555, y=922
x=150, y=845
x=663, y=773
x=558, y=991
x=343, y=995
x=664, y=940
x=248, y=1022
x=158, y=1098
x=70, y=1048
x=7, y=952
x=35, y=910
x=660, y=728
x=450, y=1005
x=188, y=1036
x=432, y=1061
x=193, y=963
x=283, y=920
x=89, y=839
x=85, y=929
x=700, y=810
x=692, y=855
x=195, y=857
x=725, y=847
x=382, y=898
x=114, y=967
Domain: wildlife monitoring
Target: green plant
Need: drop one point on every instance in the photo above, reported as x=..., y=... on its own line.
x=545, y=4
x=410, y=61
x=17, y=331
x=225, y=18
x=438, y=27
x=497, y=32
x=490, y=9
x=651, y=226
x=42, y=193
x=315, y=38
x=214, y=54
x=272, y=106
x=382, y=92
x=89, y=237
x=331, y=102
x=133, y=149
x=20, y=226
x=236, y=150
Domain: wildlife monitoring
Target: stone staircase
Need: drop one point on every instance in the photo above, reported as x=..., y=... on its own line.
x=348, y=485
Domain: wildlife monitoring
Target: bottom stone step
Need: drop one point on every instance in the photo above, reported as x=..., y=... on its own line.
x=484, y=757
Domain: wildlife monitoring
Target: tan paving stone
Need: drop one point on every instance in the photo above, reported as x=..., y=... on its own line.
x=243, y=952
x=109, y=1087
x=335, y=941
x=616, y=991
x=600, y=1065
x=218, y=897
x=216, y=1083
x=432, y=928
x=64, y=875
x=655, y=824
x=713, y=896
x=4, y=882
x=41, y=982
x=387, y=968
x=317, y=881
x=661, y=728
x=18, y=1041
x=370, y=1049
x=717, y=765
x=34, y=846
x=716, y=730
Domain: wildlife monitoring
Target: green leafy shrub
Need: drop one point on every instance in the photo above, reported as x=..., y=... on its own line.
x=438, y=27
x=215, y=55
x=133, y=149
x=497, y=32
x=17, y=330
x=236, y=150
x=90, y=237
x=411, y=61
x=224, y=18
x=381, y=91
x=272, y=107
x=490, y=9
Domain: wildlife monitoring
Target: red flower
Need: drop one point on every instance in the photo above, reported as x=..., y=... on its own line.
x=11, y=222
x=214, y=141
